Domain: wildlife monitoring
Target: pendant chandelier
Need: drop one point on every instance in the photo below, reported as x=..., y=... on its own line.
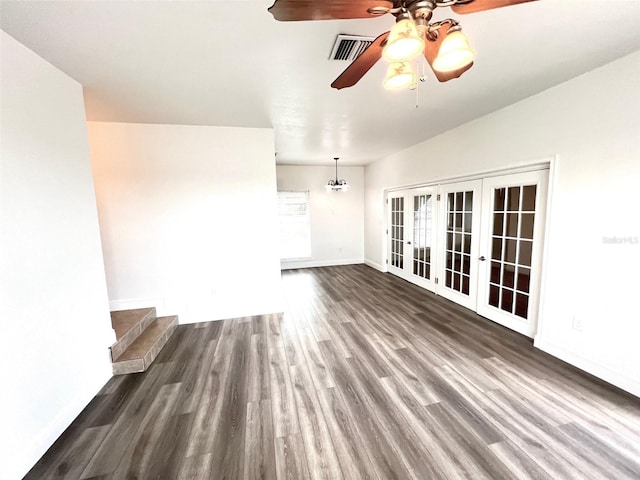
x=337, y=185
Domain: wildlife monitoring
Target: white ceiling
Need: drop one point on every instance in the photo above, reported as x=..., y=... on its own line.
x=229, y=63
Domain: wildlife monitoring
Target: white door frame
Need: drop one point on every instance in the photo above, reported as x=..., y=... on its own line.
x=391, y=234
x=406, y=272
x=466, y=300
x=524, y=326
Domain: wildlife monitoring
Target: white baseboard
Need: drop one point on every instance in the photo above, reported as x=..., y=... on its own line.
x=288, y=265
x=131, y=303
x=375, y=265
x=26, y=459
x=605, y=373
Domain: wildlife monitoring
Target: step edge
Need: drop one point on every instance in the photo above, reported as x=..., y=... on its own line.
x=151, y=312
x=139, y=365
x=128, y=366
x=170, y=325
x=155, y=350
x=132, y=334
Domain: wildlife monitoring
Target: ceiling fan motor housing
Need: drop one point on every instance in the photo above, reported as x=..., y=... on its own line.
x=421, y=10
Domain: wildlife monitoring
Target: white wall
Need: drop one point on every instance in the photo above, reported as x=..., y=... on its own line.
x=592, y=123
x=53, y=298
x=337, y=218
x=188, y=217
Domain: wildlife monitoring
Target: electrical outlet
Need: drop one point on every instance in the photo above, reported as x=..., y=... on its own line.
x=577, y=323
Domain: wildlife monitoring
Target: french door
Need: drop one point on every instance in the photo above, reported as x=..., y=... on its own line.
x=477, y=243
x=411, y=236
x=511, y=249
x=457, y=265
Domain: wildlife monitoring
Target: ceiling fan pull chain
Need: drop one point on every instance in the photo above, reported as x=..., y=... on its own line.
x=422, y=78
x=417, y=89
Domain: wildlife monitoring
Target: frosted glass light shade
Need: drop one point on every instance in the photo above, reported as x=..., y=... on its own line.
x=454, y=53
x=399, y=75
x=403, y=42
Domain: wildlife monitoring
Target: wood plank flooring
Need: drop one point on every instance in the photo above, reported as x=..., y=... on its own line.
x=364, y=376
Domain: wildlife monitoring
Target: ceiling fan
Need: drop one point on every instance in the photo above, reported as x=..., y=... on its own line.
x=442, y=43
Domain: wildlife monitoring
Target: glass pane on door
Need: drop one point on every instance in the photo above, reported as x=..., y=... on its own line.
x=511, y=248
x=397, y=232
x=459, y=215
x=422, y=235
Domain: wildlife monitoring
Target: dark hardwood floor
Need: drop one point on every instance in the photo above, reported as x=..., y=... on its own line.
x=364, y=376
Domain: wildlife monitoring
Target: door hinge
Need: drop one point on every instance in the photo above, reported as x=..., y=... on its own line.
x=387, y=231
x=436, y=280
x=387, y=201
x=438, y=197
x=387, y=261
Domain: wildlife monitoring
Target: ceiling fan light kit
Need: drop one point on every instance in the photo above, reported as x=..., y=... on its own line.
x=442, y=43
x=399, y=75
x=336, y=185
x=403, y=43
x=455, y=51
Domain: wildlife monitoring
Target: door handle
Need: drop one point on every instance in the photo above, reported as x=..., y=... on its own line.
x=408, y=243
x=482, y=259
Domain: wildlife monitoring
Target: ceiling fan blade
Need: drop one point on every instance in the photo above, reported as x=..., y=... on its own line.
x=431, y=49
x=294, y=10
x=361, y=64
x=481, y=5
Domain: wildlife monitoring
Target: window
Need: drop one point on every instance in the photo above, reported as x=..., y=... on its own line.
x=295, y=225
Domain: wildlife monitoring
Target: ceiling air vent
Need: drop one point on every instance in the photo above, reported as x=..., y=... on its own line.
x=348, y=47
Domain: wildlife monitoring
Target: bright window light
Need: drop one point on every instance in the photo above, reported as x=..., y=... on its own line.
x=295, y=225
